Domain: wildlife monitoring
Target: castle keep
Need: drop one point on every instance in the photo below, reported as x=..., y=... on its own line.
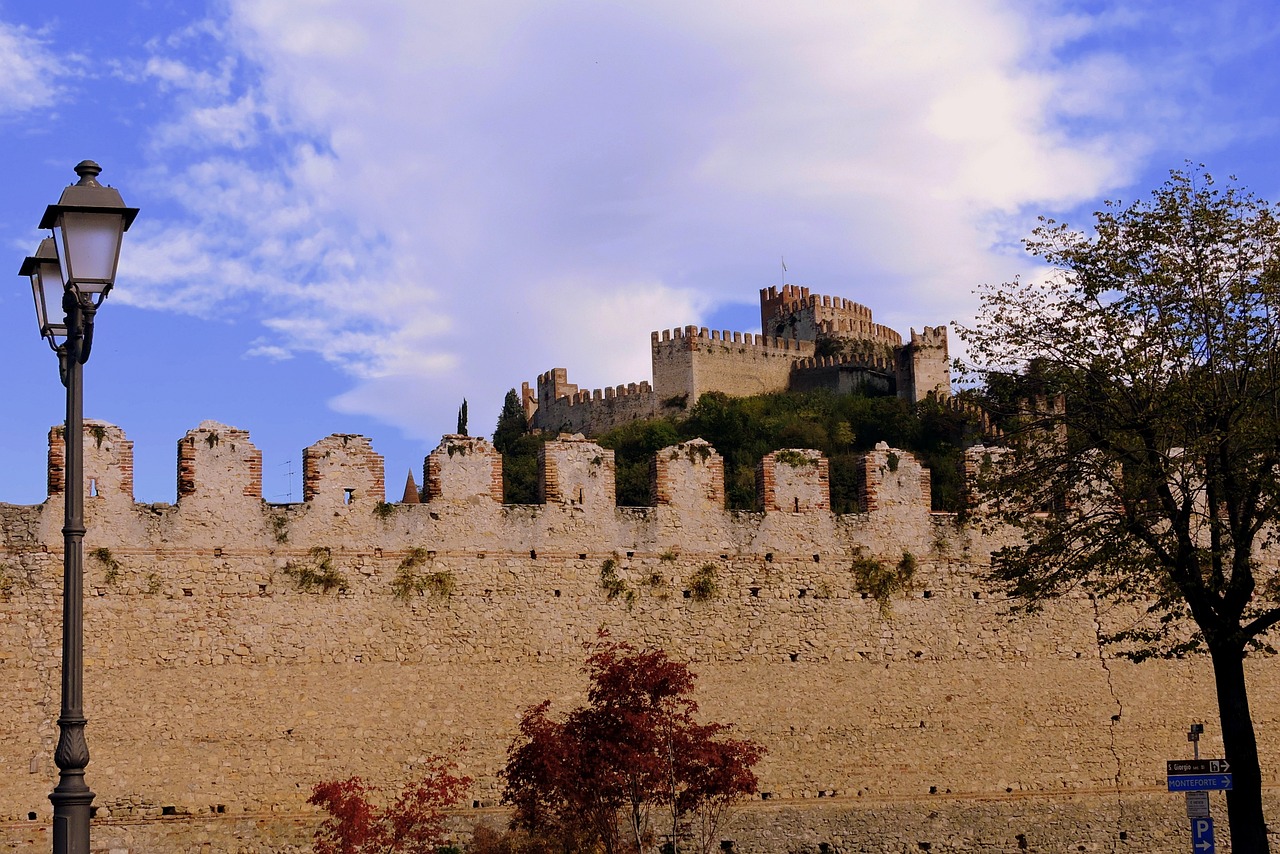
x=807, y=342
x=237, y=652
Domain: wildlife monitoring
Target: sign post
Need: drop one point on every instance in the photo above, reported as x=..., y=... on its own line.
x=1202, y=836
x=1197, y=777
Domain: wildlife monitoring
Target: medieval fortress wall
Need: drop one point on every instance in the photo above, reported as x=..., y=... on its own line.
x=237, y=652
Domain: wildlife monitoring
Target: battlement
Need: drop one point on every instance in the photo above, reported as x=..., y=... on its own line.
x=930, y=336
x=560, y=406
x=693, y=337
x=220, y=473
x=864, y=361
x=108, y=461
x=860, y=330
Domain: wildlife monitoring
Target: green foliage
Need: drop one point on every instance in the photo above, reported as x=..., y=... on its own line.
x=462, y=419
x=842, y=427
x=319, y=572
x=520, y=468
x=1158, y=477
x=511, y=423
x=111, y=567
x=872, y=577
x=279, y=526
x=794, y=458
x=384, y=510
x=409, y=581
x=703, y=586
x=612, y=585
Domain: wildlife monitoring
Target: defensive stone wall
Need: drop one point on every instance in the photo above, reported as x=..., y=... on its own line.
x=793, y=312
x=924, y=365
x=563, y=408
x=237, y=652
x=691, y=361
x=871, y=373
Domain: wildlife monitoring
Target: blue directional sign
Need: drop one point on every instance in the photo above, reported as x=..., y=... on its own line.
x=1202, y=836
x=1198, y=782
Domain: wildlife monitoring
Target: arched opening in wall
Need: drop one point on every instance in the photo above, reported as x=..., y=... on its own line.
x=93, y=487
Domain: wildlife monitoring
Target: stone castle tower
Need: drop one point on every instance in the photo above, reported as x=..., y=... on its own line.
x=807, y=341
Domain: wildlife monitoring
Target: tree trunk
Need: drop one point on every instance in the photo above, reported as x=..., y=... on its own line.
x=1244, y=801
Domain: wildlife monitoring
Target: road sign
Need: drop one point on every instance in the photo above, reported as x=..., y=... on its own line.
x=1197, y=766
x=1202, y=836
x=1198, y=782
x=1197, y=804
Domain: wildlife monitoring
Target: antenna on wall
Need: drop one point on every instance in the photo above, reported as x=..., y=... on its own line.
x=288, y=497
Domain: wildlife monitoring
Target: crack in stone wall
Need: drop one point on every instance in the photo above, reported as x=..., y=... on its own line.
x=1115, y=719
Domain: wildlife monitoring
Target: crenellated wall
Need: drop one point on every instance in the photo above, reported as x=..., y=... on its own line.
x=793, y=312
x=223, y=679
x=691, y=361
x=562, y=408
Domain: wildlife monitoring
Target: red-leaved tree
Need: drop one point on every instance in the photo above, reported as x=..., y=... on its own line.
x=633, y=757
x=414, y=823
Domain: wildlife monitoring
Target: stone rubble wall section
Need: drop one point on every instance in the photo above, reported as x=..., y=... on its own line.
x=108, y=462
x=343, y=469
x=891, y=480
x=689, y=475
x=577, y=473
x=463, y=468
x=793, y=481
x=219, y=462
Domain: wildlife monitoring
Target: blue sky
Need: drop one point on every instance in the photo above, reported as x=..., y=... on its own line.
x=354, y=214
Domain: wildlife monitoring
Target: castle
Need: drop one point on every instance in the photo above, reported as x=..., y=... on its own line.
x=808, y=341
x=237, y=651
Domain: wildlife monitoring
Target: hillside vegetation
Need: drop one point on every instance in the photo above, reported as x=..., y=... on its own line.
x=744, y=429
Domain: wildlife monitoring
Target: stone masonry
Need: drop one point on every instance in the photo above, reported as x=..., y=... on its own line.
x=220, y=685
x=690, y=361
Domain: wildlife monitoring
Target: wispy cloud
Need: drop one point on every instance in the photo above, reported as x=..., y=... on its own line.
x=30, y=73
x=445, y=199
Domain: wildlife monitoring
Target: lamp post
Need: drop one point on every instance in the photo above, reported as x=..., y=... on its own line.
x=77, y=264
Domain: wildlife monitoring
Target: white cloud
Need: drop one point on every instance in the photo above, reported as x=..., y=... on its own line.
x=29, y=72
x=446, y=199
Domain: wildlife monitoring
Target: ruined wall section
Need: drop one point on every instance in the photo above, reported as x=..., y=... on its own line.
x=573, y=472
x=563, y=408
x=689, y=476
x=690, y=362
x=218, y=463
x=343, y=469
x=793, y=481
x=108, y=462
x=463, y=468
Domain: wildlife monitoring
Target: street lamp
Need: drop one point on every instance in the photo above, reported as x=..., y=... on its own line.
x=78, y=264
